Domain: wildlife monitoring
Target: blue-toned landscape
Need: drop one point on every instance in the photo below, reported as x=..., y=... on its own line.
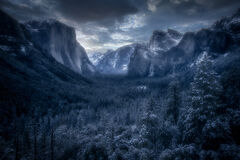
x=119, y=80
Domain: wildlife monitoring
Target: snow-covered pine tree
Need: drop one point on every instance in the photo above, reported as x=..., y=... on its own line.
x=202, y=122
x=149, y=130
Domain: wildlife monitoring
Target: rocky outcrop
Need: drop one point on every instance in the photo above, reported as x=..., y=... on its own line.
x=162, y=41
x=140, y=62
x=229, y=24
x=59, y=40
x=22, y=62
x=12, y=36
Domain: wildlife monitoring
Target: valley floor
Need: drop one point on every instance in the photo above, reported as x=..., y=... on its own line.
x=113, y=117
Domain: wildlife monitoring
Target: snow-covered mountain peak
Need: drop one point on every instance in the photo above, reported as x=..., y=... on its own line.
x=96, y=57
x=115, y=62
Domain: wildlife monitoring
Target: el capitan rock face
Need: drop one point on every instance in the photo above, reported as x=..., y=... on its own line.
x=22, y=62
x=59, y=40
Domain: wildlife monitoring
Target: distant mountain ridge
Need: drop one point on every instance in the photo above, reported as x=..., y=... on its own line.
x=96, y=57
x=170, y=52
x=116, y=62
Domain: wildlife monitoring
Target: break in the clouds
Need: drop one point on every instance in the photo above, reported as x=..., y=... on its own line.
x=108, y=24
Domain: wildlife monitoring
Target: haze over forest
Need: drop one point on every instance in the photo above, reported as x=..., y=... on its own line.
x=119, y=80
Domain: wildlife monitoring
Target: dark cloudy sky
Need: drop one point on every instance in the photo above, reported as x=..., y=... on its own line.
x=109, y=24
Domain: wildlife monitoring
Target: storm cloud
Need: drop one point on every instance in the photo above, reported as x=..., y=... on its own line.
x=108, y=24
x=95, y=10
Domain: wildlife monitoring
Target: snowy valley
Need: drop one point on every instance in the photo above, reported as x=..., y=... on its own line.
x=173, y=97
